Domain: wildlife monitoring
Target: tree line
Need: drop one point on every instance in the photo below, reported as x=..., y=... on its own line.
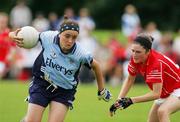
x=107, y=13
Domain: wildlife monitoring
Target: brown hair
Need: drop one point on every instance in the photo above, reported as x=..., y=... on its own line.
x=144, y=40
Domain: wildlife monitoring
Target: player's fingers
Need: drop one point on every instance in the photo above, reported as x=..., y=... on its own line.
x=116, y=104
x=120, y=108
x=17, y=31
x=19, y=45
x=110, y=98
x=17, y=38
x=19, y=41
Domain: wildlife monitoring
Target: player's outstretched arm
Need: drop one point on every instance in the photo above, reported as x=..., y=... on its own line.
x=152, y=95
x=103, y=93
x=126, y=86
x=122, y=103
x=26, y=37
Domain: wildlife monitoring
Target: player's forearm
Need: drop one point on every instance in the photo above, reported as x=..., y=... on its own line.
x=147, y=97
x=155, y=94
x=98, y=74
x=126, y=87
x=124, y=90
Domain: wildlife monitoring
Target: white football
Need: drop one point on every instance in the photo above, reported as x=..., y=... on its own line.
x=30, y=36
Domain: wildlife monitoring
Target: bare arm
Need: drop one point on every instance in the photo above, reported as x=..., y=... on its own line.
x=124, y=102
x=126, y=86
x=155, y=94
x=99, y=76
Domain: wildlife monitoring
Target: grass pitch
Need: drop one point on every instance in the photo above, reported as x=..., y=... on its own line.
x=87, y=108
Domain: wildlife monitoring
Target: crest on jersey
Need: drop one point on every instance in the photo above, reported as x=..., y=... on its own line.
x=53, y=54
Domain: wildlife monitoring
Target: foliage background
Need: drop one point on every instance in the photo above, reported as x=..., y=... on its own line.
x=107, y=13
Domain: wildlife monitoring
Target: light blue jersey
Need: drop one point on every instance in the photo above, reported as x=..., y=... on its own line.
x=55, y=66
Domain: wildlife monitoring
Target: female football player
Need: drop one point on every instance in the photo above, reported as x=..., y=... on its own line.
x=55, y=73
x=160, y=73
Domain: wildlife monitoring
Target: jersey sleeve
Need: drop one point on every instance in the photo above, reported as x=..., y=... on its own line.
x=154, y=74
x=42, y=35
x=47, y=38
x=132, y=68
x=87, y=59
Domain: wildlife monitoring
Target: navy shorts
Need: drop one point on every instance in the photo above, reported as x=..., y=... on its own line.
x=39, y=94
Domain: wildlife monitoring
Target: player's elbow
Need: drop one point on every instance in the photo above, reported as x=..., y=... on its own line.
x=95, y=64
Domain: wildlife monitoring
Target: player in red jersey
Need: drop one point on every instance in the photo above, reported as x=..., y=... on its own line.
x=160, y=73
x=6, y=46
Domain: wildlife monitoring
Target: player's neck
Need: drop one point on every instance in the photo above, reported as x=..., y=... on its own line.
x=66, y=51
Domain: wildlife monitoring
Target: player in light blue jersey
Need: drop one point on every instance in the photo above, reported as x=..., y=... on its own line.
x=55, y=73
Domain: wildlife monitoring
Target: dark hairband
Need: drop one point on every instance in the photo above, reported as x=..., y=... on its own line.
x=69, y=27
x=144, y=41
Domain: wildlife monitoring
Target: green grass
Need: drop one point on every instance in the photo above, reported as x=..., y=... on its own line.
x=103, y=36
x=86, y=106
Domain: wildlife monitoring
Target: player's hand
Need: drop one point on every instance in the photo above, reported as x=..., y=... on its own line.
x=125, y=102
x=112, y=109
x=105, y=95
x=15, y=38
x=122, y=103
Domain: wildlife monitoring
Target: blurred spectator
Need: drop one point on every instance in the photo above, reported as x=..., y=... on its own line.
x=40, y=22
x=176, y=47
x=20, y=15
x=69, y=12
x=130, y=22
x=103, y=55
x=7, y=47
x=53, y=21
x=86, y=23
x=115, y=65
x=25, y=62
x=151, y=28
x=91, y=45
x=166, y=46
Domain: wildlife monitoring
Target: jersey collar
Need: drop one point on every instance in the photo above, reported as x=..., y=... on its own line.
x=149, y=59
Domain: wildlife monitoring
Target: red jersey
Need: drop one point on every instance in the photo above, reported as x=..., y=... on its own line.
x=5, y=45
x=158, y=69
